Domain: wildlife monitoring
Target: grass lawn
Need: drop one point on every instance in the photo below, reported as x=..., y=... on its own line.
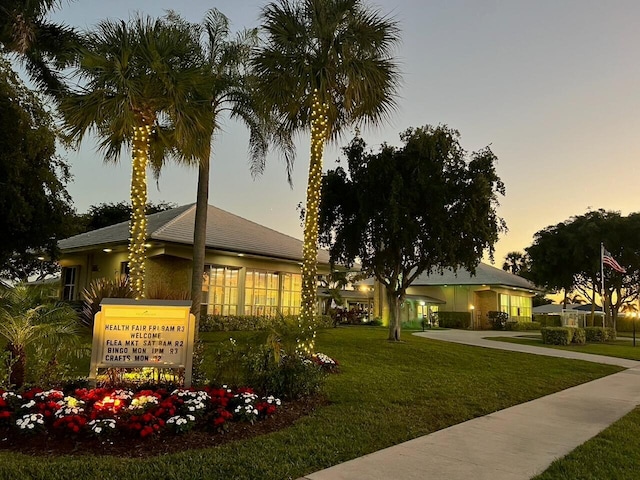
x=619, y=348
x=386, y=394
x=614, y=453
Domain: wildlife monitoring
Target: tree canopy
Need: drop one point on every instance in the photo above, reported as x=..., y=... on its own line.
x=43, y=47
x=35, y=207
x=422, y=207
x=105, y=214
x=566, y=256
x=144, y=88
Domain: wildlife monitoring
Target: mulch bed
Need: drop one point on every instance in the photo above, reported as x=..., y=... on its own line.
x=163, y=444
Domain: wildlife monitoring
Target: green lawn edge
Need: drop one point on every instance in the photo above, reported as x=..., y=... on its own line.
x=612, y=454
x=618, y=349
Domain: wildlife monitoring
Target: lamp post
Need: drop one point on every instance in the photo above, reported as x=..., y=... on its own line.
x=473, y=320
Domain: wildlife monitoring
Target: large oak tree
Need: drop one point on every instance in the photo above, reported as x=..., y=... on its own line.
x=403, y=211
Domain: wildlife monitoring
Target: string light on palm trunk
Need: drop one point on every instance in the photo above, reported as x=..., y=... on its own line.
x=138, y=225
x=319, y=135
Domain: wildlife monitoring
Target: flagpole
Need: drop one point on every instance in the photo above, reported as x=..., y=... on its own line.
x=604, y=295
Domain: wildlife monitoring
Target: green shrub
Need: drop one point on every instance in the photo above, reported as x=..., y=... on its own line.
x=522, y=326
x=234, y=323
x=413, y=325
x=548, y=320
x=375, y=322
x=288, y=377
x=498, y=320
x=454, y=319
x=579, y=336
x=557, y=335
x=595, y=334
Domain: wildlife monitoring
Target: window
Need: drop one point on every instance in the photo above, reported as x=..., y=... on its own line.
x=516, y=307
x=124, y=269
x=290, y=293
x=504, y=303
x=261, y=293
x=69, y=276
x=520, y=307
x=220, y=290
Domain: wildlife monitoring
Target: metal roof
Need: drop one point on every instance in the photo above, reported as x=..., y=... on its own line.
x=225, y=232
x=484, y=275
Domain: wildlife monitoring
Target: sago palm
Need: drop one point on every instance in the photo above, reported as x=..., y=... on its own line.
x=28, y=318
x=326, y=65
x=140, y=88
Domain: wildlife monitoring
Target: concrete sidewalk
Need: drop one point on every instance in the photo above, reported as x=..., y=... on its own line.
x=516, y=443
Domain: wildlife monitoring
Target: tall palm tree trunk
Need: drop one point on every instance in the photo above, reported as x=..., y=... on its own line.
x=200, y=238
x=319, y=131
x=138, y=227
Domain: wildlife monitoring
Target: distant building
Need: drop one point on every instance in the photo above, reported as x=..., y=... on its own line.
x=254, y=270
x=489, y=289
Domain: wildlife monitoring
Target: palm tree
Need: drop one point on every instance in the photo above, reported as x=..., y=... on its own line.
x=43, y=47
x=28, y=318
x=514, y=262
x=326, y=65
x=142, y=89
x=229, y=93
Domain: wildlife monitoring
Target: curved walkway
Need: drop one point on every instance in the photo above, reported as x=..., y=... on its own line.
x=478, y=338
x=516, y=443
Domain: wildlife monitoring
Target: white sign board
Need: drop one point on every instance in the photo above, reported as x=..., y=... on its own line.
x=144, y=333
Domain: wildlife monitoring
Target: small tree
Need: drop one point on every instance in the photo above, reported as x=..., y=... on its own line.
x=403, y=211
x=34, y=203
x=27, y=318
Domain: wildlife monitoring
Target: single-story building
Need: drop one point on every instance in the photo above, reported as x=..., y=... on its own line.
x=254, y=270
x=489, y=289
x=249, y=269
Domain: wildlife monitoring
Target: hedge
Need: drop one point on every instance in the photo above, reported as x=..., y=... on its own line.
x=557, y=335
x=548, y=320
x=228, y=323
x=522, y=326
x=599, y=334
x=579, y=336
x=454, y=319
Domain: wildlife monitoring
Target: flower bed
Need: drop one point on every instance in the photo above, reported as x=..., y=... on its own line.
x=325, y=362
x=106, y=412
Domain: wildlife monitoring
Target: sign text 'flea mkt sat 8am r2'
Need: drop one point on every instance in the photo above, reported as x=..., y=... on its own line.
x=143, y=333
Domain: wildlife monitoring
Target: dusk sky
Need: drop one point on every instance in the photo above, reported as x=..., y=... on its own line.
x=550, y=85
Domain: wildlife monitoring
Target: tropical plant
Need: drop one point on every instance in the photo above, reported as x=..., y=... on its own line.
x=28, y=318
x=43, y=47
x=142, y=85
x=514, y=262
x=229, y=93
x=99, y=289
x=325, y=65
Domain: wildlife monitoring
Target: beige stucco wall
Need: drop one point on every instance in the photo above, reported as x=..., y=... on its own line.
x=457, y=298
x=168, y=268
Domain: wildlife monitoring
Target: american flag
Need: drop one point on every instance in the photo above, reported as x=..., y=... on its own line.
x=608, y=260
